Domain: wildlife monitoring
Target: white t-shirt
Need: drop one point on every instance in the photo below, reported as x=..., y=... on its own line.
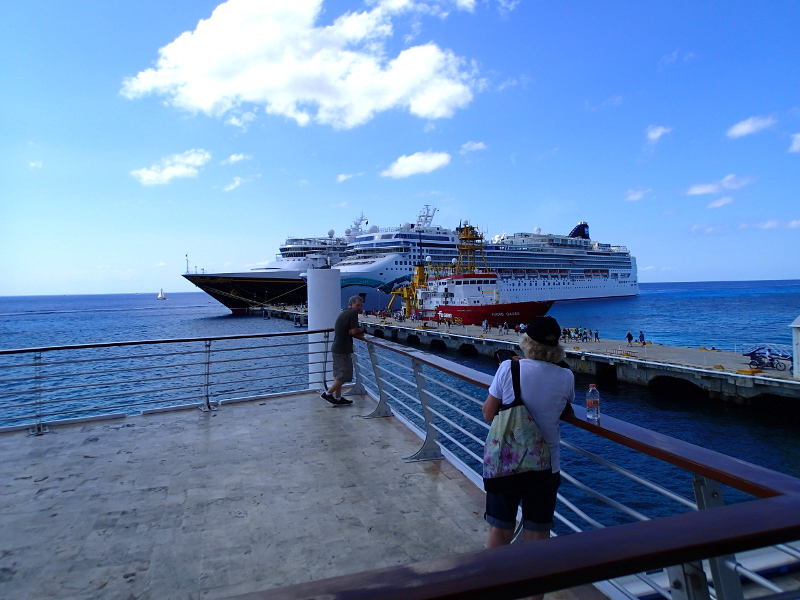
x=546, y=388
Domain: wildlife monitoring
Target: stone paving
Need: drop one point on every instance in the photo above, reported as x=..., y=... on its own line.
x=193, y=505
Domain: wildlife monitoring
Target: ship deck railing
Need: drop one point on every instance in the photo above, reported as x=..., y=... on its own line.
x=640, y=514
x=41, y=387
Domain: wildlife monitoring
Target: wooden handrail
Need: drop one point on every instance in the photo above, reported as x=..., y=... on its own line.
x=747, y=477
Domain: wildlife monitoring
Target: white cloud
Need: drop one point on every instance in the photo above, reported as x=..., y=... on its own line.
x=343, y=177
x=274, y=54
x=234, y=158
x=732, y=182
x=172, y=167
x=655, y=132
x=795, y=147
x=704, y=188
x=340, y=205
x=237, y=181
x=35, y=164
x=608, y=103
x=707, y=228
x=729, y=182
x=768, y=224
x=676, y=56
x=243, y=121
x=793, y=224
x=750, y=126
x=420, y=162
x=634, y=195
x=719, y=203
x=161, y=264
x=472, y=147
x=508, y=5
x=771, y=224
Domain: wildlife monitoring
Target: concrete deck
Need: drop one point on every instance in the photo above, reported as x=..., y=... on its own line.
x=193, y=505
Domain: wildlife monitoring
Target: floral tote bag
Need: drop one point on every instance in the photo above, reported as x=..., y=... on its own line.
x=515, y=443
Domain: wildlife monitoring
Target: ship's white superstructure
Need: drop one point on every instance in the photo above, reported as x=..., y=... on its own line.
x=555, y=267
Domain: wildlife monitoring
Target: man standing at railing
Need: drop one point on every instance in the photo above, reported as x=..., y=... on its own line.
x=344, y=330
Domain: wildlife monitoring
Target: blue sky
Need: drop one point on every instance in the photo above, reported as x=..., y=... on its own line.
x=134, y=133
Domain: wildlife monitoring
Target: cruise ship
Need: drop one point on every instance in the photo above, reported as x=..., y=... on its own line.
x=376, y=260
x=557, y=267
x=278, y=281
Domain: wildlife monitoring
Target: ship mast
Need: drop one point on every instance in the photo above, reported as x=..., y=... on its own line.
x=470, y=250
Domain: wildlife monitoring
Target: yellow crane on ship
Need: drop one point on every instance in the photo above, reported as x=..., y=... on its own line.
x=470, y=247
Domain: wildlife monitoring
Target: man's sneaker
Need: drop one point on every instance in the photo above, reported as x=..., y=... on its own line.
x=328, y=397
x=342, y=401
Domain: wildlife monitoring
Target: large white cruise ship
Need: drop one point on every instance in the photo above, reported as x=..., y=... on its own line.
x=557, y=267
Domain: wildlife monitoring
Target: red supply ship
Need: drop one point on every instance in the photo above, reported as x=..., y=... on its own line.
x=468, y=294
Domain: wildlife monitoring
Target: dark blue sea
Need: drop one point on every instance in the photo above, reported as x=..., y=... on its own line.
x=727, y=315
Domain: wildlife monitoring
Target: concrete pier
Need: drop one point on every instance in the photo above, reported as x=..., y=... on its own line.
x=279, y=312
x=724, y=375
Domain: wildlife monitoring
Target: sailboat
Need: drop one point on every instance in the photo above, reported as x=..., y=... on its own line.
x=161, y=295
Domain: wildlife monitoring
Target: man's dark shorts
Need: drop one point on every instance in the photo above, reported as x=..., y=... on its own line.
x=538, y=497
x=343, y=367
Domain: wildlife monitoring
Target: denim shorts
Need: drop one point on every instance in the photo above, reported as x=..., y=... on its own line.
x=536, y=490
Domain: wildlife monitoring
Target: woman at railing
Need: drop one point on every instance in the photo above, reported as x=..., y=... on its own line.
x=546, y=389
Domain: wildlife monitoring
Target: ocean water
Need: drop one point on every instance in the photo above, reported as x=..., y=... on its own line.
x=727, y=315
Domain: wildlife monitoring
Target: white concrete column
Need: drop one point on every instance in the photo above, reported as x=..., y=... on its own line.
x=796, y=347
x=324, y=305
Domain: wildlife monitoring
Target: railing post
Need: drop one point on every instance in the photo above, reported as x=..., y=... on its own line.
x=688, y=582
x=708, y=494
x=430, y=448
x=206, y=406
x=358, y=387
x=38, y=428
x=382, y=410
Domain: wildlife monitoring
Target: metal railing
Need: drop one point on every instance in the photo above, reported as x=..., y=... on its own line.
x=674, y=537
x=43, y=386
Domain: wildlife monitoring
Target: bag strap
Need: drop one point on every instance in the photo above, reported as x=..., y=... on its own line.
x=515, y=371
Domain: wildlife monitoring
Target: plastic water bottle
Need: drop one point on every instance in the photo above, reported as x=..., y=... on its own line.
x=593, y=403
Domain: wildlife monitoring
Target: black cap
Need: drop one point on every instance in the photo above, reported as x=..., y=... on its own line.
x=544, y=330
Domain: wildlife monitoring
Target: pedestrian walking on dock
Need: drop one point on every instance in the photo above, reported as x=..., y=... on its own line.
x=546, y=390
x=629, y=337
x=344, y=330
x=641, y=338
x=596, y=335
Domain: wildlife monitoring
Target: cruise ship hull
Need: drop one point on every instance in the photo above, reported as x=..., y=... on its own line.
x=249, y=292
x=496, y=314
x=246, y=292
